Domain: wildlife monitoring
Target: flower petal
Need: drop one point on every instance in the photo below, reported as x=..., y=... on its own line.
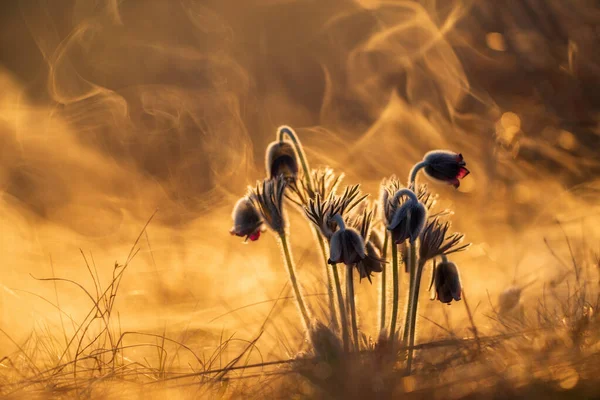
x=462, y=172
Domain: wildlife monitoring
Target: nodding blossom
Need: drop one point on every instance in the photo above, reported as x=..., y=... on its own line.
x=347, y=245
x=447, y=282
x=281, y=160
x=445, y=166
x=246, y=220
x=408, y=219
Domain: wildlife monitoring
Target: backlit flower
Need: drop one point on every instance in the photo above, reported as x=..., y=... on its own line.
x=267, y=198
x=447, y=282
x=408, y=219
x=445, y=166
x=435, y=240
x=347, y=245
x=281, y=160
x=246, y=220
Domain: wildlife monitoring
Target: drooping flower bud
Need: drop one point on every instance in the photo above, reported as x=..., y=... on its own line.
x=246, y=220
x=409, y=219
x=281, y=160
x=346, y=245
x=445, y=166
x=447, y=282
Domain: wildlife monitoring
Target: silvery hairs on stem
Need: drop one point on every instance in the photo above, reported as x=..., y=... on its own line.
x=321, y=211
x=267, y=197
x=325, y=183
x=435, y=240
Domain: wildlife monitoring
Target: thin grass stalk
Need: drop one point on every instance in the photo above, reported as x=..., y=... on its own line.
x=352, y=304
x=291, y=271
x=395, y=292
x=340, y=298
x=382, y=313
x=412, y=261
x=414, y=301
x=471, y=320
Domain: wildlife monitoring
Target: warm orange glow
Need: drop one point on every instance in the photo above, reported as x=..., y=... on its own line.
x=111, y=110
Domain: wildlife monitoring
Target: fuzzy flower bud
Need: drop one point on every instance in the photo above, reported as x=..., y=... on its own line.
x=445, y=166
x=409, y=219
x=447, y=282
x=246, y=220
x=346, y=245
x=281, y=160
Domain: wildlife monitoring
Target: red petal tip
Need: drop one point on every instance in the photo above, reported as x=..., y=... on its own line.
x=254, y=236
x=462, y=172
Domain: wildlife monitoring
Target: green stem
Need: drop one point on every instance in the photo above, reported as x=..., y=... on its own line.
x=290, y=267
x=330, y=296
x=383, y=285
x=286, y=130
x=351, y=302
x=340, y=297
x=413, y=316
x=395, y=292
x=412, y=261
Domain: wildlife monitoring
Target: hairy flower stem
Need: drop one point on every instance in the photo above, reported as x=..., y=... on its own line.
x=290, y=133
x=412, y=261
x=344, y=320
x=383, y=285
x=396, y=290
x=290, y=267
x=413, y=175
x=351, y=302
x=333, y=314
x=414, y=301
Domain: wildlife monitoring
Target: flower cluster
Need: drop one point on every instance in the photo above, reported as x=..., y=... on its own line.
x=356, y=233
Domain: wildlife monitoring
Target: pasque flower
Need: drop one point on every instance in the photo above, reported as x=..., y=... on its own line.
x=408, y=219
x=267, y=198
x=281, y=160
x=436, y=241
x=246, y=220
x=445, y=166
x=346, y=245
x=447, y=282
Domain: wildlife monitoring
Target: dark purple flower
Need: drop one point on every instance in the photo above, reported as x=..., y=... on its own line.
x=281, y=160
x=246, y=220
x=346, y=245
x=372, y=262
x=408, y=219
x=447, y=282
x=445, y=166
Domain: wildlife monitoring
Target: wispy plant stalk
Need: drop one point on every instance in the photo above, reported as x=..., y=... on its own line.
x=396, y=290
x=382, y=313
x=414, y=306
x=340, y=297
x=412, y=261
x=290, y=133
x=292, y=273
x=352, y=304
